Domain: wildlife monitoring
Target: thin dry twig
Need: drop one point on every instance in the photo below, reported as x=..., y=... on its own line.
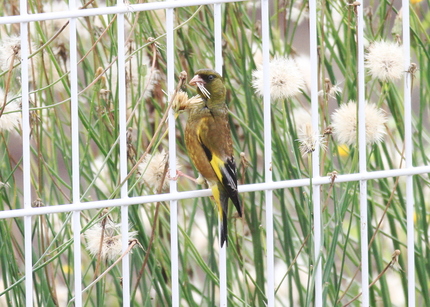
x=182, y=79
x=387, y=206
x=294, y=261
x=154, y=226
x=389, y=265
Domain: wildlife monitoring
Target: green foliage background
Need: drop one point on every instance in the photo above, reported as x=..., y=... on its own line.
x=198, y=241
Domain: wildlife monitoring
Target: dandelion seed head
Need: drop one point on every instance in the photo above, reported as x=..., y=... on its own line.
x=10, y=50
x=335, y=90
x=384, y=60
x=182, y=102
x=111, y=238
x=309, y=139
x=152, y=170
x=286, y=79
x=52, y=26
x=330, y=90
x=194, y=102
x=11, y=117
x=152, y=79
x=344, y=123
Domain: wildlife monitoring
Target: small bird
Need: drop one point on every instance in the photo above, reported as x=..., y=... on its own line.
x=209, y=144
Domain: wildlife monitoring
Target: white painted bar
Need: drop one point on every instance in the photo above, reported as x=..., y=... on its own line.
x=170, y=17
x=26, y=157
x=316, y=194
x=285, y=184
x=362, y=159
x=408, y=154
x=108, y=10
x=223, y=301
x=74, y=107
x=265, y=31
x=122, y=105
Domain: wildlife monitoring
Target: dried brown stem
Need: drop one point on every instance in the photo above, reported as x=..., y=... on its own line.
x=182, y=79
x=154, y=226
x=376, y=229
x=389, y=265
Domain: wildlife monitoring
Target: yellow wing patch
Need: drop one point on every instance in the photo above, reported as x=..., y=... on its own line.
x=217, y=196
x=217, y=164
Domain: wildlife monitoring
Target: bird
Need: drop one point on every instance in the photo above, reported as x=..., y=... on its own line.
x=209, y=143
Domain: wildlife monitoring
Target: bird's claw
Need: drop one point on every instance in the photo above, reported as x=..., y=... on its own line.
x=178, y=174
x=200, y=180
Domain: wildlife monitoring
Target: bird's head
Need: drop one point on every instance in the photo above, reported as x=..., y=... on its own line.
x=210, y=85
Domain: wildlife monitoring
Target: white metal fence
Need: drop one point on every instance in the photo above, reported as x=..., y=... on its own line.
x=268, y=186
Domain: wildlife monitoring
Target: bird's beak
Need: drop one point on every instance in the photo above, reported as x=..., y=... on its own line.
x=197, y=79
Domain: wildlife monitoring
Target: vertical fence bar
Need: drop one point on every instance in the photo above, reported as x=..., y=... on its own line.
x=172, y=158
x=408, y=155
x=28, y=250
x=316, y=196
x=122, y=104
x=219, y=62
x=362, y=158
x=74, y=105
x=265, y=24
x=223, y=301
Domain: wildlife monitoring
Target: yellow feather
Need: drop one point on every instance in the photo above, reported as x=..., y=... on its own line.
x=215, y=192
x=217, y=164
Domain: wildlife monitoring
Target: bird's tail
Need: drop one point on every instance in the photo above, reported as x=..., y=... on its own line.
x=221, y=198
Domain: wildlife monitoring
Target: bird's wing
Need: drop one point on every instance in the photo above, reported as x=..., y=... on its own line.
x=217, y=147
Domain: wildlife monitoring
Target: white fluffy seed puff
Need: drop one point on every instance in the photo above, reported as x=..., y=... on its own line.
x=10, y=52
x=344, y=123
x=11, y=117
x=385, y=61
x=151, y=170
x=286, y=79
x=110, y=237
x=309, y=139
x=10, y=49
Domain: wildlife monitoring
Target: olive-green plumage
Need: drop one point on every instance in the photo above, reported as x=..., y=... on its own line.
x=209, y=143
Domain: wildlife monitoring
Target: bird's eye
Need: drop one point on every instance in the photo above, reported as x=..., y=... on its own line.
x=211, y=77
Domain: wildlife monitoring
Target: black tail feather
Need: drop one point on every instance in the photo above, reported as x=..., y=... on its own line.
x=229, y=182
x=237, y=204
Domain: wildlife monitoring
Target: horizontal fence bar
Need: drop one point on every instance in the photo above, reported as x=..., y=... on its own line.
x=418, y=170
x=123, y=9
